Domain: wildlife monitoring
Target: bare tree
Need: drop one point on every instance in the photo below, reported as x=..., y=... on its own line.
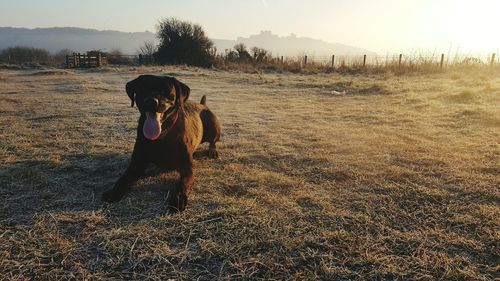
x=148, y=49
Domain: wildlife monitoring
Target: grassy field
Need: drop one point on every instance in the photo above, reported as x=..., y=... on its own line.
x=320, y=176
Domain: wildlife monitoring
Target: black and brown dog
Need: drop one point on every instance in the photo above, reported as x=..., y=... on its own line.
x=170, y=128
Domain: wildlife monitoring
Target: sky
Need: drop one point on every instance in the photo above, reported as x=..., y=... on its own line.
x=383, y=26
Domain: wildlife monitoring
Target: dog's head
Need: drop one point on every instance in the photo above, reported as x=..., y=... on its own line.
x=159, y=98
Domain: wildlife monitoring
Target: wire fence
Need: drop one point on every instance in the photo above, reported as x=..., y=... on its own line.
x=395, y=59
x=377, y=59
x=333, y=61
x=231, y=58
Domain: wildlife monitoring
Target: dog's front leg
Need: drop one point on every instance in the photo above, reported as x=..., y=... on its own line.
x=177, y=199
x=134, y=171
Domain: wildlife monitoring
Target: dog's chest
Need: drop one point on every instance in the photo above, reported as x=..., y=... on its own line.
x=166, y=154
x=169, y=151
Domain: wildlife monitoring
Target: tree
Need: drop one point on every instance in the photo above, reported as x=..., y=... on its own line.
x=182, y=42
x=243, y=54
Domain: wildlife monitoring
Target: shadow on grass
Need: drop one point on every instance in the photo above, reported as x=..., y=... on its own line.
x=76, y=184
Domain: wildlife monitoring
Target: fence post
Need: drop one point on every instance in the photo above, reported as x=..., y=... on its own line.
x=442, y=61
x=364, y=60
x=333, y=61
x=281, y=59
x=305, y=60
x=492, y=59
x=400, y=58
x=99, y=59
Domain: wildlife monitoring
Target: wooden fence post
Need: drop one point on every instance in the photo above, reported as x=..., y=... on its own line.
x=281, y=59
x=364, y=60
x=400, y=58
x=99, y=59
x=442, y=61
x=492, y=59
x=305, y=60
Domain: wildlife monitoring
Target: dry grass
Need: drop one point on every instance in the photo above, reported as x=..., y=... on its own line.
x=411, y=64
x=326, y=176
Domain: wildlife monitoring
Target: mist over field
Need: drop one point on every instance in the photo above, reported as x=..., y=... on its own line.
x=82, y=40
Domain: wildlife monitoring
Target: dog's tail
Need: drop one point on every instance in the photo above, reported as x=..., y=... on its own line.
x=203, y=100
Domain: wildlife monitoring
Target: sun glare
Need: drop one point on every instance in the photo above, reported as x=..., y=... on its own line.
x=465, y=25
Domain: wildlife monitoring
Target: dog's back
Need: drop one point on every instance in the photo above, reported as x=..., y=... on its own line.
x=199, y=116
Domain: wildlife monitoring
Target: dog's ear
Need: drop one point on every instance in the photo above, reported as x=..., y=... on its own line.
x=131, y=89
x=182, y=90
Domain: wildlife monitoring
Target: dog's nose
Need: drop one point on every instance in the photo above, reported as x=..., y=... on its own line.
x=151, y=103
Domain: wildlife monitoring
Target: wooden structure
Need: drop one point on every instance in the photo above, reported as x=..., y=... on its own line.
x=146, y=59
x=90, y=59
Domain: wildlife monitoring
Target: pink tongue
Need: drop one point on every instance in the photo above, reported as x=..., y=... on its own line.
x=152, y=126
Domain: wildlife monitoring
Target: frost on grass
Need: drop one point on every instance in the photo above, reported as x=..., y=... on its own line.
x=321, y=176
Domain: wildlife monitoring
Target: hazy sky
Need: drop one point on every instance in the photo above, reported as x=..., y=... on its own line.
x=378, y=25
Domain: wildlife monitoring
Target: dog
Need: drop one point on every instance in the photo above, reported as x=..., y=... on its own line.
x=169, y=131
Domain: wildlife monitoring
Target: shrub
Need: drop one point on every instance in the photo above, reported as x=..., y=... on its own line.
x=60, y=56
x=116, y=56
x=19, y=55
x=260, y=55
x=243, y=54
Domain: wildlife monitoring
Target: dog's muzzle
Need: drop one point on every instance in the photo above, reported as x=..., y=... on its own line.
x=151, y=105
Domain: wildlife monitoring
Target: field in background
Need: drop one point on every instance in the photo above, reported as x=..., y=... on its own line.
x=258, y=59
x=326, y=175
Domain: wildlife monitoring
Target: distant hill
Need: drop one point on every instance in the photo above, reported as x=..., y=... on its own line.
x=76, y=39
x=291, y=45
x=81, y=40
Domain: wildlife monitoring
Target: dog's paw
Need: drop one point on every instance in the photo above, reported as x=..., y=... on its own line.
x=212, y=153
x=111, y=196
x=176, y=202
